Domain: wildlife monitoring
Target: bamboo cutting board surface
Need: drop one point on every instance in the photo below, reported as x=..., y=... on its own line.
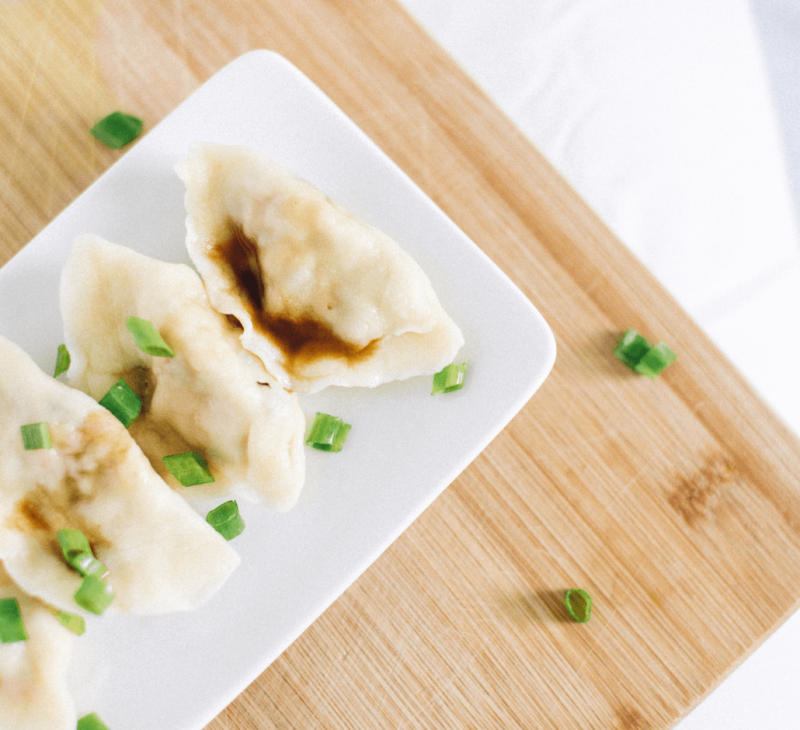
x=675, y=503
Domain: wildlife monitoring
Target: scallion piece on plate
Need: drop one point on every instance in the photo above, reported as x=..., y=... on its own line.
x=655, y=360
x=36, y=436
x=450, y=378
x=12, y=628
x=226, y=520
x=88, y=564
x=328, y=433
x=95, y=595
x=578, y=604
x=122, y=402
x=76, y=624
x=117, y=129
x=91, y=721
x=62, y=361
x=72, y=543
x=148, y=338
x=190, y=469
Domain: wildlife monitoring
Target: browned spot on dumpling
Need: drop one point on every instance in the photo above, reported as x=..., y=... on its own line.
x=27, y=517
x=301, y=340
x=89, y=454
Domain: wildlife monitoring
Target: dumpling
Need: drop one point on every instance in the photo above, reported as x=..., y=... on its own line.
x=33, y=685
x=161, y=555
x=323, y=298
x=212, y=397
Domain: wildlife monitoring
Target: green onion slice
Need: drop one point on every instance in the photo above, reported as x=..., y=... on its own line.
x=76, y=624
x=117, y=129
x=95, y=595
x=578, y=604
x=36, y=436
x=91, y=722
x=655, y=360
x=631, y=348
x=148, y=338
x=73, y=542
x=62, y=361
x=328, y=433
x=449, y=379
x=226, y=520
x=639, y=355
x=78, y=553
x=88, y=564
x=122, y=402
x=189, y=469
x=11, y=627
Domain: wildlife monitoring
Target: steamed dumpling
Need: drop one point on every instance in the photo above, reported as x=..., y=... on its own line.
x=161, y=555
x=33, y=685
x=212, y=397
x=323, y=298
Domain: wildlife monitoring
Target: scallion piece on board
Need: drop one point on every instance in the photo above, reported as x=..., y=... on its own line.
x=631, y=348
x=148, y=338
x=95, y=595
x=91, y=722
x=655, y=360
x=189, y=469
x=122, y=402
x=226, y=520
x=36, y=436
x=328, y=433
x=62, y=361
x=450, y=378
x=117, y=129
x=76, y=624
x=578, y=604
x=639, y=355
x=11, y=627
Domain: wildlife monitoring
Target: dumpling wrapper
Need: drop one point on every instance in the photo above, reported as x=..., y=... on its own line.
x=323, y=298
x=161, y=555
x=213, y=397
x=34, y=694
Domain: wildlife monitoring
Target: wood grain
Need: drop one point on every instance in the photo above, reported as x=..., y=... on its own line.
x=675, y=503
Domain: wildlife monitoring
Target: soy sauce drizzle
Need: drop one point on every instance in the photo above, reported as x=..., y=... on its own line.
x=301, y=341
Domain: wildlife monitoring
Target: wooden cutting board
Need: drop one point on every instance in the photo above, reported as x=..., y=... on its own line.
x=675, y=503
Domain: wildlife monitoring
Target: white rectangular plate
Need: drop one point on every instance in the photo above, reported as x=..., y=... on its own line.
x=178, y=672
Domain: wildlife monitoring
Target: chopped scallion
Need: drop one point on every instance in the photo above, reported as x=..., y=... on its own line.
x=122, y=402
x=12, y=628
x=328, y=433
x=450, y=378
x=578, y=604
x=189, y=469
x=72, y=543
x=148, y=338
x=95, y=595
x=76, y=624
x=91, y=722
x=117, y=129
x=36, y=436
x=62, y=361
x=655, y=360
x=639, y=355
x=226, y=520
x=88, y=564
